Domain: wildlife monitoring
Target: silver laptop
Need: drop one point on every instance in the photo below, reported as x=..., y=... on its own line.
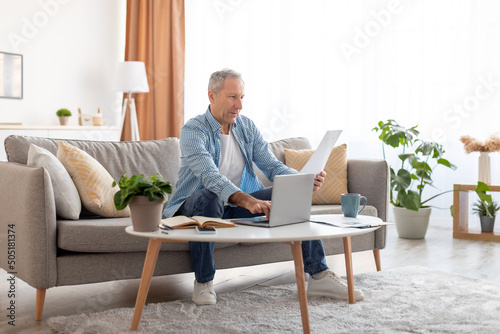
x=291, y=202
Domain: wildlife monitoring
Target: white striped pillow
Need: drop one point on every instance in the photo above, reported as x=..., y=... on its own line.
x=92, y=181
x=336, y=173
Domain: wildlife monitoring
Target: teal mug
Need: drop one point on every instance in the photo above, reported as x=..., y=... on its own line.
x=350, y=204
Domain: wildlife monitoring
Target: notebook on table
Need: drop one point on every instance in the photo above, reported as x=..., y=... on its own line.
x=290, y=202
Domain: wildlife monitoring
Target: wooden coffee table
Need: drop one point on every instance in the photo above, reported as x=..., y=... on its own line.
x=289, y=234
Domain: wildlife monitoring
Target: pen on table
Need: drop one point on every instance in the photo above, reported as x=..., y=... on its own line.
x=164, y=227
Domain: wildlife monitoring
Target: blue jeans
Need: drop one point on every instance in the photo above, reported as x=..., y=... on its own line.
x=206, y=203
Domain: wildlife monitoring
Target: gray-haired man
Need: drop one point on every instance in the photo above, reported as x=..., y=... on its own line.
x=216, y=179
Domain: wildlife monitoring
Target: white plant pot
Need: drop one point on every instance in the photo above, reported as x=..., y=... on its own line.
x=63, y=120
x=145, y=215
x=411, y=224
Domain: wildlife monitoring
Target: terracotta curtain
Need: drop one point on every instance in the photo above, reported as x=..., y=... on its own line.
x=155, y=35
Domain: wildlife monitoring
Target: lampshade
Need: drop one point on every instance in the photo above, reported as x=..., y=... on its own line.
x=130, y=77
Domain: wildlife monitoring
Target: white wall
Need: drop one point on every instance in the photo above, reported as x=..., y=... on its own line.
x=70, y=48
x=312, y=66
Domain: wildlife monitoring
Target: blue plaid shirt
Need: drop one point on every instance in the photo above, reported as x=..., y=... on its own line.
x=200, y=154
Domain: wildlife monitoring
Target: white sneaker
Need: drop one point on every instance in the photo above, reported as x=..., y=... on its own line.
x=331, y=286
x=204, y=293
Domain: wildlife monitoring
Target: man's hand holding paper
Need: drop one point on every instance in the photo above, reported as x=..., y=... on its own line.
x=318, y=180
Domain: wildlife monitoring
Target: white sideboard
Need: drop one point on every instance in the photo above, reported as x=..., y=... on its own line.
x=100, y=133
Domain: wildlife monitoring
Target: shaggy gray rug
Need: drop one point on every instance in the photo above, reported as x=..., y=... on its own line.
x=406, y=300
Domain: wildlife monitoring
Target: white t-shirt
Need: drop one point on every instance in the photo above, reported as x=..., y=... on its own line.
x=231, y=163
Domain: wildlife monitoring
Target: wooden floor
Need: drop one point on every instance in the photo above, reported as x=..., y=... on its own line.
x=479, y=259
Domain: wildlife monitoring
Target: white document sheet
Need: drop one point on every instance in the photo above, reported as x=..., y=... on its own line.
x=319, y=158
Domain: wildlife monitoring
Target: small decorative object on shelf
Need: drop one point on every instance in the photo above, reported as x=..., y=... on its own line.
x=492, y=144
x=97, y=119
x=84, y=119
x=485, y=207
x=64, y=115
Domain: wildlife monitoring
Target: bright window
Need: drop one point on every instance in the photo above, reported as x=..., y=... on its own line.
x=310, y=66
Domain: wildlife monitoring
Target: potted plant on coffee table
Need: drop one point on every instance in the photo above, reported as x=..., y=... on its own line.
x=485, y=207
x=419, y=159
x=145, y=199
x=64, y=115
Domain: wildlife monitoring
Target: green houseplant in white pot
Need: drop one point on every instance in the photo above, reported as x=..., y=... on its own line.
x=145, y=199
x=485, y=207
x=418, y=159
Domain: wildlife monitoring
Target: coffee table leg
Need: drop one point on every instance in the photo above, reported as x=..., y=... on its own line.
x=378, y=264
x=301, y=283
x=348, y=269
x=147, y=274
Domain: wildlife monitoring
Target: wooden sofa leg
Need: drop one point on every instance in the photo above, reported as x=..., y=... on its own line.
x=376, y=254
x=40, y=299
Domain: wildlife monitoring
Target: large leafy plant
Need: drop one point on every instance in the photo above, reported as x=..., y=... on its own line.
x=415, y=172
x=155, y=189
x=484, y=206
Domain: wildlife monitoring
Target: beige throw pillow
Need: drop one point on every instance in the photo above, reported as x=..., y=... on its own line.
x=92, y=181
x=336, y=173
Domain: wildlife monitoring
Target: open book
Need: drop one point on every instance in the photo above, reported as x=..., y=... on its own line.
x=192, y=222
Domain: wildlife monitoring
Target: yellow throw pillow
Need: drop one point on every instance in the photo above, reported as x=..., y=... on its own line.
x=92, y=181
x=336, y=173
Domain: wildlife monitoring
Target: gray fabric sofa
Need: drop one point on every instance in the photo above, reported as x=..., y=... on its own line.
x=52, y=252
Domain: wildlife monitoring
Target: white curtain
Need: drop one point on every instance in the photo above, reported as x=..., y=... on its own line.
x=311, y=66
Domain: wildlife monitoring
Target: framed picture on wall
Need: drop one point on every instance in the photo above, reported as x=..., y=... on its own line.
x=11, y=75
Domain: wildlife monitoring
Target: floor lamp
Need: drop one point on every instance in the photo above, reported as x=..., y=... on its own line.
x=131, y=77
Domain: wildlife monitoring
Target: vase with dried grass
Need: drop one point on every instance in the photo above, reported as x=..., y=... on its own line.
x=492, y=144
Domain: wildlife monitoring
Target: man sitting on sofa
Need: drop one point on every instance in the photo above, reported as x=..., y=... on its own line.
x=216, y=179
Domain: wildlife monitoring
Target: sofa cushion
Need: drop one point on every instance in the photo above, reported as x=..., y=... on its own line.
x=137, y=157
x=107, y=235
x=336, y=173
x=68, y=203
x=93, y=182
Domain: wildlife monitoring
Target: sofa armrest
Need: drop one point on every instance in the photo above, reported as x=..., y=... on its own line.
x=27, y=205
x=371, y=179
